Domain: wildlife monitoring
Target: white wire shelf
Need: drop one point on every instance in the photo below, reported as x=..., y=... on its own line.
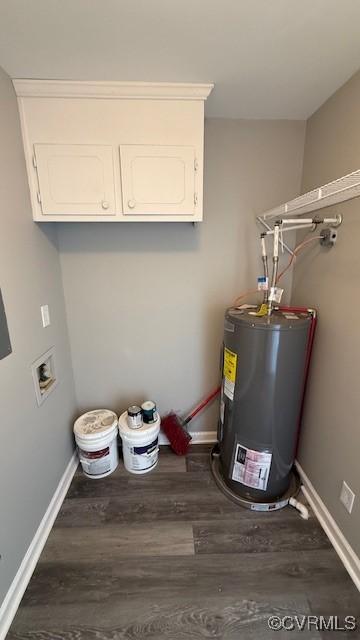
x=339, y=190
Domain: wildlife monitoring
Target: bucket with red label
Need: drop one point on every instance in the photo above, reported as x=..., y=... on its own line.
x=96, y=438
x=140, y=446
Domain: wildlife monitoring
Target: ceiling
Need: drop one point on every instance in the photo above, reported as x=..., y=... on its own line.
x=267, y=58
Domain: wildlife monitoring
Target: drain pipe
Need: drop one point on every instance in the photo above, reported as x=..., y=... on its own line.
x=300, y=507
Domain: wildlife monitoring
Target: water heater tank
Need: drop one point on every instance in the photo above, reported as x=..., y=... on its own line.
x=263, y=380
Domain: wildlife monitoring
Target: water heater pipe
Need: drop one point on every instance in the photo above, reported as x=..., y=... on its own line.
x=275, y=265
x=316, y=220
x=308, y=225
x=266, y=267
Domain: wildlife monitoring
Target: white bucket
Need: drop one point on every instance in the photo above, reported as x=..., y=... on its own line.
x=96, y=437
x=140, y=446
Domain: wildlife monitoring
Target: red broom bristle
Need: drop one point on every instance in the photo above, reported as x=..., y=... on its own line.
x=178, y=437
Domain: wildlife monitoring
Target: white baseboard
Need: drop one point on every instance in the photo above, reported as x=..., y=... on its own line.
x=17, y=588
x=345, y=552
x=198, y=437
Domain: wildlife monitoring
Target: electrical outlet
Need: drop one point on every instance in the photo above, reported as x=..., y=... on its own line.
x=347, y=497
x=45, y=315
x=328, y=237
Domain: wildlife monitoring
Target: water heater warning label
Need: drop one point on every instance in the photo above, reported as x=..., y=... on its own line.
x=251, y=467
x=230, y=362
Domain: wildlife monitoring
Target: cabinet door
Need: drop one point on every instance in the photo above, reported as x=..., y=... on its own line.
x=157, y=179
x=75, y=179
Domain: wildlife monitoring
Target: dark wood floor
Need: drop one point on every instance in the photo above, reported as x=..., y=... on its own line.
x=167, y=556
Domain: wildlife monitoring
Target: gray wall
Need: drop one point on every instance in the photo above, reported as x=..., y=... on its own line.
x=36, y=443
x=145, y=301
x=329, y=280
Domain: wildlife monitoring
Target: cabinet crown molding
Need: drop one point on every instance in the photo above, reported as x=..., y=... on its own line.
x=111, y=90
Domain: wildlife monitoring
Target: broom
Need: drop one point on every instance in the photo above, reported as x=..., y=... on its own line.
x=175, y=428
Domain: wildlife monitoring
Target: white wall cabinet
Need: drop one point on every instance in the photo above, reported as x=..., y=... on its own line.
x=158, y=180
x=113, y=151
x=75, y=179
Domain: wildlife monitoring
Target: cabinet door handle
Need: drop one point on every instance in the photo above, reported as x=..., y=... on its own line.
x=105, y=204
x=131, y=204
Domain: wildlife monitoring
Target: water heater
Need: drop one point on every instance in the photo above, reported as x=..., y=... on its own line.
x=264, y=366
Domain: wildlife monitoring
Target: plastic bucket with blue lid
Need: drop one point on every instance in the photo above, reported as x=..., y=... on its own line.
x=96, y=437
x=140, y=446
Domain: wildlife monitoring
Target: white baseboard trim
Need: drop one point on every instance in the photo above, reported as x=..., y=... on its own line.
x=345, y=552
x=198, y=437
x=17, y=588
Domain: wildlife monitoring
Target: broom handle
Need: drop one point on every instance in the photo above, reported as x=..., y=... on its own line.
x=201, y=406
